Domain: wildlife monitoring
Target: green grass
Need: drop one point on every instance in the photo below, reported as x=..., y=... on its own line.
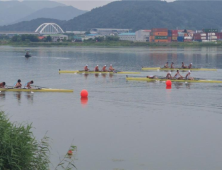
x=115, y=44
x=19, y=150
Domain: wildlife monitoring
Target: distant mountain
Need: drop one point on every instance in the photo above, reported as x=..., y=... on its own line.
x=60, y=13
x=151, y=14
x=137, y=15
x=30, y=25
x=12, y=11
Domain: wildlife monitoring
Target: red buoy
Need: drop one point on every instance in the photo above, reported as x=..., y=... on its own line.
x=84, y=93
x=168, y=83
x=70, y=152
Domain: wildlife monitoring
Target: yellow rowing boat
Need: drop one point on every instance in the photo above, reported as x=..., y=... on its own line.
x=96, y=72
x=183, y=69
x=173, y=80
x=35, y=90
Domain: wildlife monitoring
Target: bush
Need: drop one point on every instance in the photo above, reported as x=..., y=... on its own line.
x=112, y=38
x=19, y=149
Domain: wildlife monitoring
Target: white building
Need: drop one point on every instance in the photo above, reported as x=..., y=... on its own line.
x=127, y=36
x=56, y=37
x=143, y=35
x=108, y=31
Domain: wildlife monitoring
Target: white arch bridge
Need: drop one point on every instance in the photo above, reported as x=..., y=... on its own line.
x=49, y=28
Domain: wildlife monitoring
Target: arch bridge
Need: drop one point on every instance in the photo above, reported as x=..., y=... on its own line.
x=49, y=28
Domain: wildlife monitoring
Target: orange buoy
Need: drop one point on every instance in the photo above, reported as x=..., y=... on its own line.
x=84, y=93
x=168, y=83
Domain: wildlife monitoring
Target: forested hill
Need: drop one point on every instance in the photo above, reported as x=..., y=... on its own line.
x=142, y=15
x=149, y=14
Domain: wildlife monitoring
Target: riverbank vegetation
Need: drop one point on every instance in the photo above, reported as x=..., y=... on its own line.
x=109, y=41
x=115, y=44
x=20, y=150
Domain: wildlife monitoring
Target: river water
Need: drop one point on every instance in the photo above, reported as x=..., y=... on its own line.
x=124, y=125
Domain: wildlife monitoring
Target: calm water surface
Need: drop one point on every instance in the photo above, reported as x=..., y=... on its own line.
x=123, y=125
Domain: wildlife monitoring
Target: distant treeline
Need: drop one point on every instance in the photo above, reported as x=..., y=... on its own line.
x=30, y=38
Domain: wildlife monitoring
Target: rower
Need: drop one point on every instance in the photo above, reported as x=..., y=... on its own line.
x=168, y=76
x=104, y=68
x=190, y=66
x=97, y=68
x=111, y=68
x=2, y=85
x=28, y=84
x=18, y=84
x=166, y=65
x=86, y=68
x=188, y=76
x=172, y=65
x=183, y=66
x=178, y=76
x=151, y=77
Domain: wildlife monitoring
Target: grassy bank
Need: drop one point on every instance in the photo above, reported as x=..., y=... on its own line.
x=115, y=44
x=20, y=150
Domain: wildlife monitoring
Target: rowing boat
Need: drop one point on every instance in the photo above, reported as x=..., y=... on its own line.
x=173, y=80
x=183, y=69
x=35, y=90
x=96, y=72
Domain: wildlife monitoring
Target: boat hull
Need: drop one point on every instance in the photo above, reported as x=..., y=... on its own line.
x=96, y=72
x=35, y=90
x=173, y=80
x=183, y=69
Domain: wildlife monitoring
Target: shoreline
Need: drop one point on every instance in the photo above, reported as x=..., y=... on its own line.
x=114, y=44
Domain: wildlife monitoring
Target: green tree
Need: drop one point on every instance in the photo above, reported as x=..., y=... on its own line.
x=87, y=32
x=48, y=39
x=112, y=38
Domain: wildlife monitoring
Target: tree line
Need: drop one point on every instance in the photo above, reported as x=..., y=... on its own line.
x=30, y=38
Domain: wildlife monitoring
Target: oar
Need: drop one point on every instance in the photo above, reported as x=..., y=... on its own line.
x=9, y=87
x=39, y=86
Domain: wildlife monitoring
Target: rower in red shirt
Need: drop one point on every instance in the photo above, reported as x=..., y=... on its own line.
x=104, y=68
x=97, y=68
x=111, y=68
x=86, y=68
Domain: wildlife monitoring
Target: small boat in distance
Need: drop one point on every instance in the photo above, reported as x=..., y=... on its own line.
x=27, y=54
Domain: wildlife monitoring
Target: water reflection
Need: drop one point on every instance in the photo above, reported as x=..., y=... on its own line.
x=84, y=101
x=188, y=85
x=178, y=85
x=104, y=75
x=97, y=75
x=110, y=75
x=2, y=95
x=30, y=97
x=86, y=75
x=18, y=96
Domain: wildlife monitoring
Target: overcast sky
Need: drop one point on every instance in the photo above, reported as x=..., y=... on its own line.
x=88, y=4
x=82, y=4
x=85, y=4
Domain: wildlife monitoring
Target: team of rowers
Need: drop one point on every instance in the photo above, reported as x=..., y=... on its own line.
x=97, y=68
x=18, y=84
x=176, y=76
x=183, y=66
